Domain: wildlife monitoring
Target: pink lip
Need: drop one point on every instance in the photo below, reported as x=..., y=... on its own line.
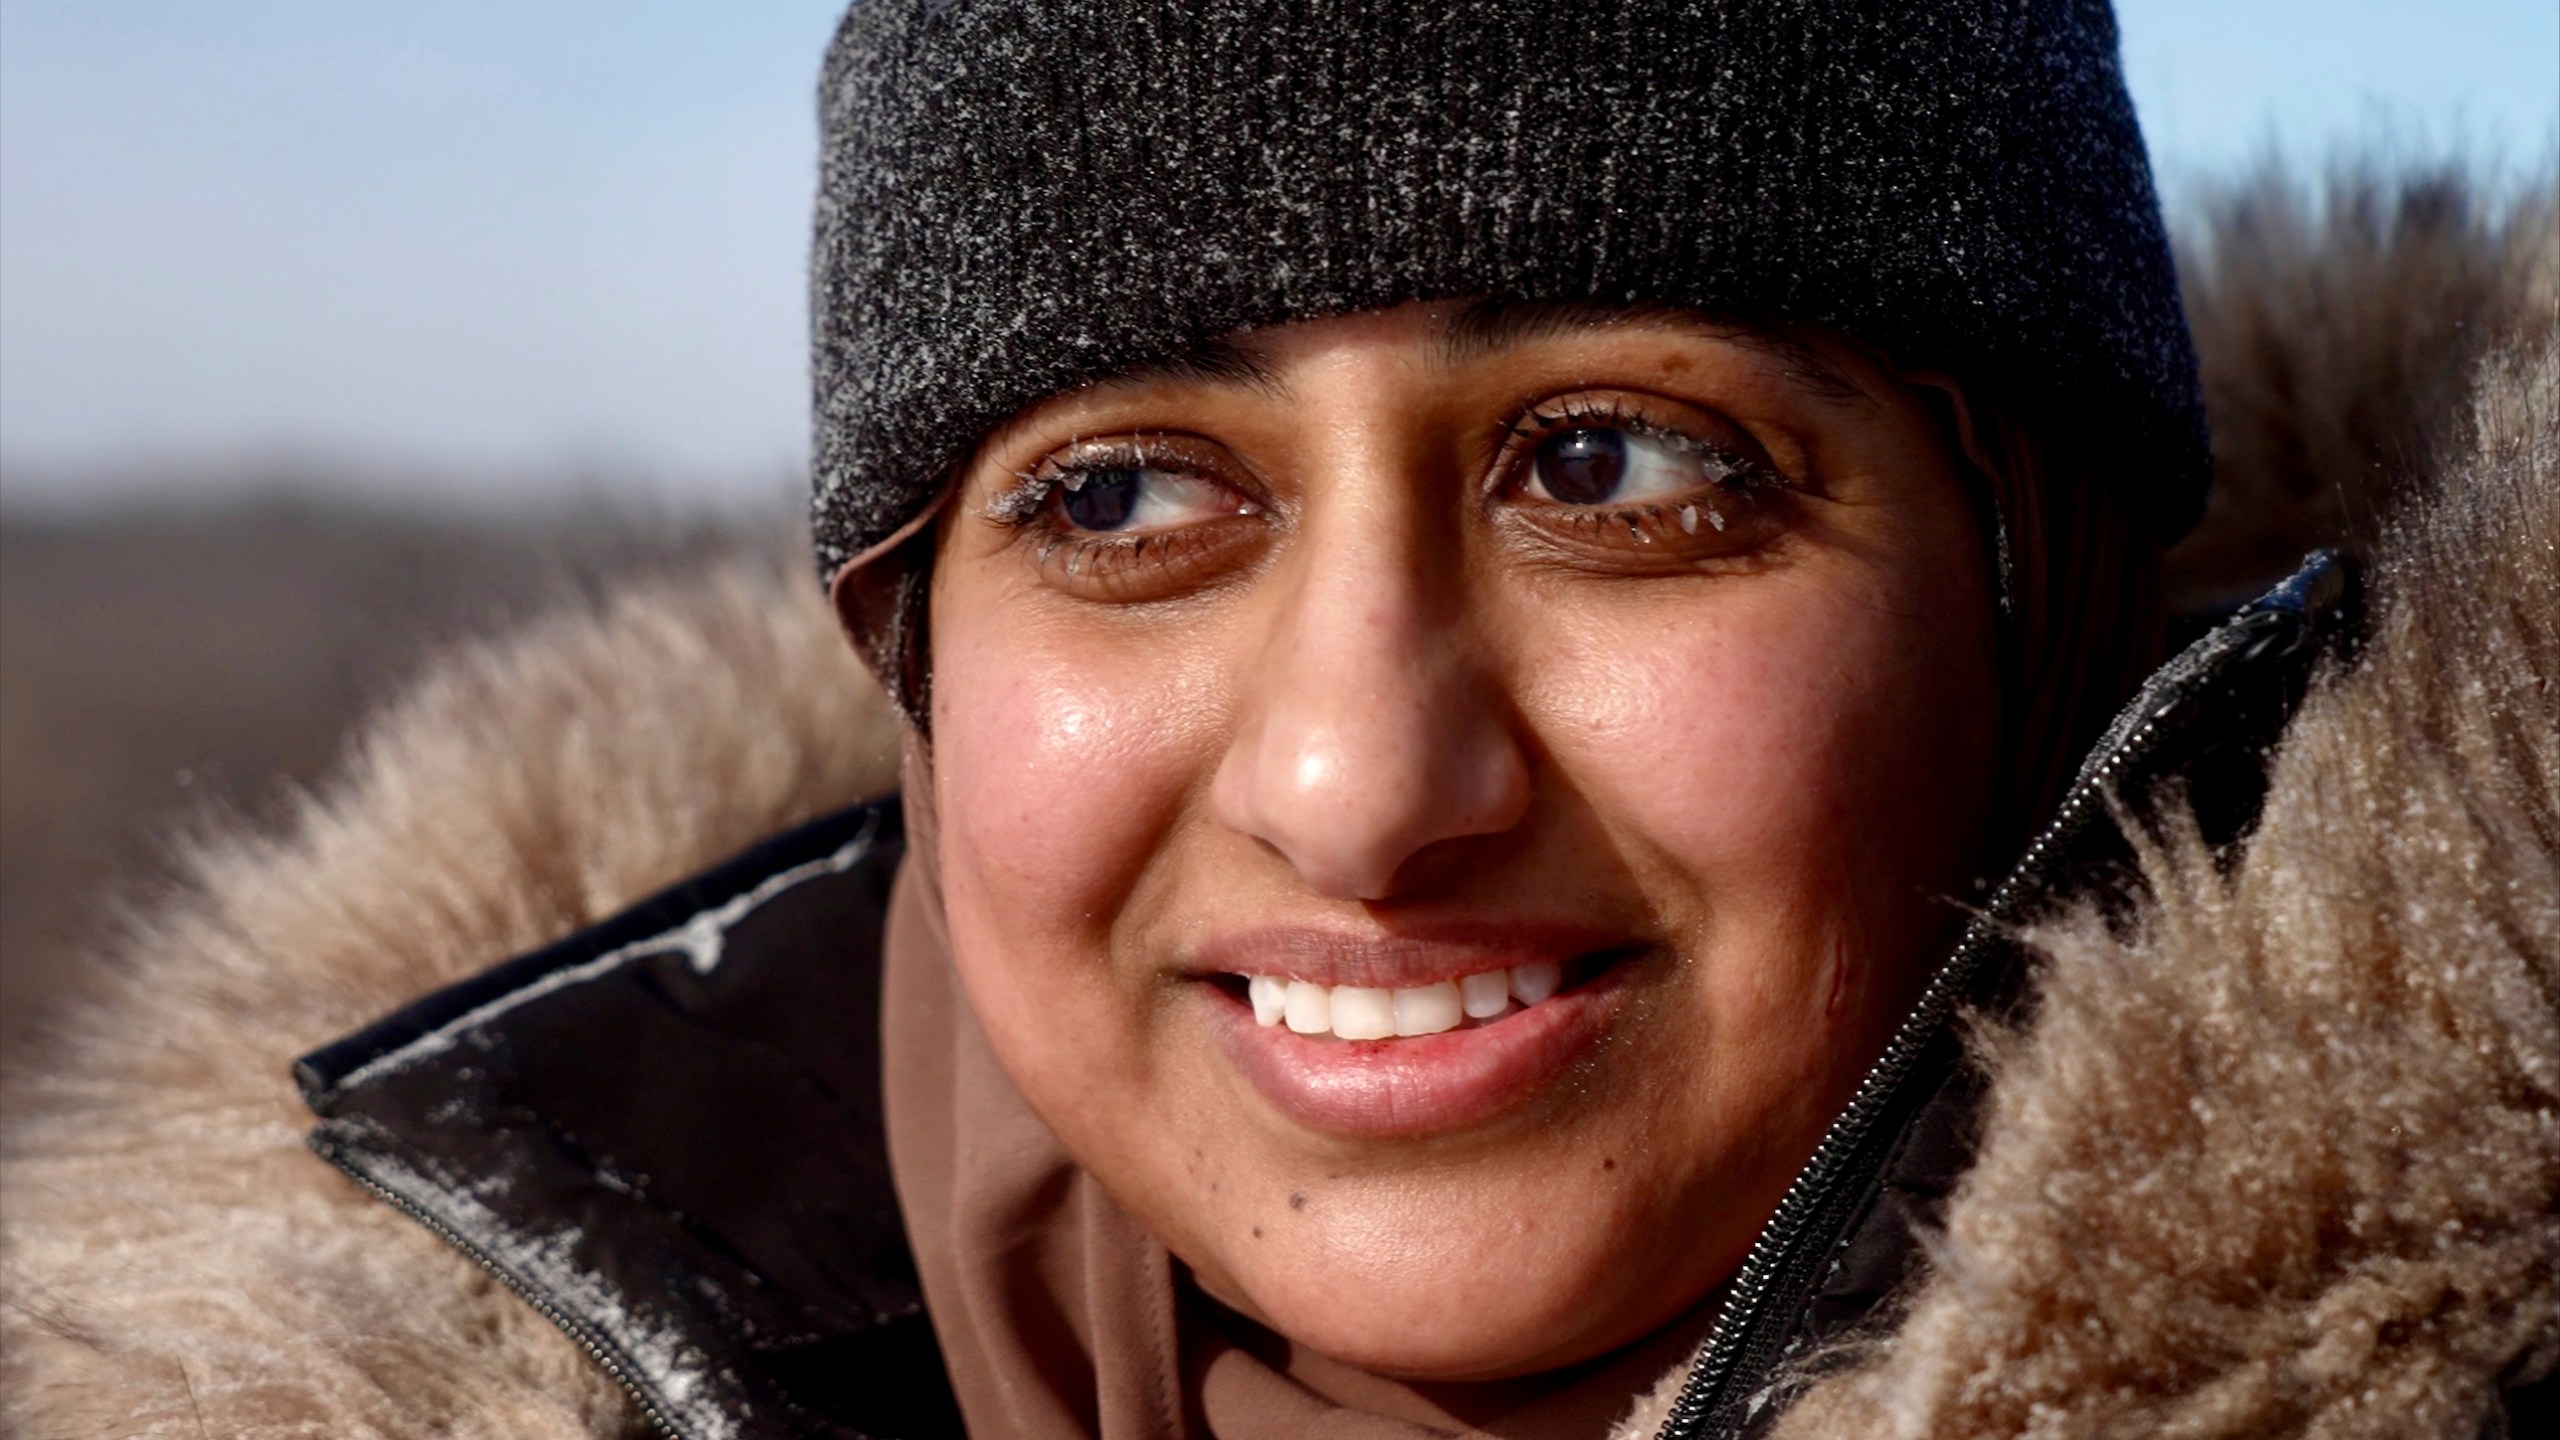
x=1414, y=955
x=1422, y=1085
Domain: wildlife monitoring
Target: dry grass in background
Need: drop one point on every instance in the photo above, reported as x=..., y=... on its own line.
x=2337, y=323
x=161, y=665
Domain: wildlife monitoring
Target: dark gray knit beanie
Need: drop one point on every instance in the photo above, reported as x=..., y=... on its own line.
x=1017, y=196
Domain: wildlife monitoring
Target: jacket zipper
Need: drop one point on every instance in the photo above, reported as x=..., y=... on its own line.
x=602, y=1354
x=1770, y=1258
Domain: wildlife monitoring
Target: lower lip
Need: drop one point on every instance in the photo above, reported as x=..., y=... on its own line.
x=1422, y=1084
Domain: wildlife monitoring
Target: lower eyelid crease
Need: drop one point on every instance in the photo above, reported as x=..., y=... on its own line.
x=1647, y=524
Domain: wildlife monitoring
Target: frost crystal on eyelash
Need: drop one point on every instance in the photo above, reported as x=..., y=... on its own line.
x=1021, y=500
x=1689, y=518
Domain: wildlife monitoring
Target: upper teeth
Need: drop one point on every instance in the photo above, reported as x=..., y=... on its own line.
x=1368, y=1012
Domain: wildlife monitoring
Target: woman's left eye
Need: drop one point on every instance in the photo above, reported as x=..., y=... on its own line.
x=1129, y=500
x=1612, y=465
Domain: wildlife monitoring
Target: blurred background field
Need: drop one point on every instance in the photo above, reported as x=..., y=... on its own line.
x=334, y=330
x=167, y=664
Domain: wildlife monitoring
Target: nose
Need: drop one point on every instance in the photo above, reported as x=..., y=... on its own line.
x=1369, y=729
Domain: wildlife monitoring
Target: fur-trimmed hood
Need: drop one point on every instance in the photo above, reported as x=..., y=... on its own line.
x=2276, y=1153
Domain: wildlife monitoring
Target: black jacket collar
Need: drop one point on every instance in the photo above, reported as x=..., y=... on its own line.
x=665, y=1133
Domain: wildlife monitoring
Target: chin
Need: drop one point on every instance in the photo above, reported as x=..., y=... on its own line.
x=1431, y=1337
x=1418, y=1334
x=1370, y=1292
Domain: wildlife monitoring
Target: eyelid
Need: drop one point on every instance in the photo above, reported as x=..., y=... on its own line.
x=1024, y=494
x=1025, y=499
x=1749, y=460
x=1026, y=491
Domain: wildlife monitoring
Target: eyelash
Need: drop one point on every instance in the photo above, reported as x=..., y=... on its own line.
x=1742, y=473
x=1746, y=478
x=1030, y=505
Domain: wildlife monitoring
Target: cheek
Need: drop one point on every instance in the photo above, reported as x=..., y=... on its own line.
x=1043, y=778
x=1770, y=734
x=1804, y=773
x=1057, y=774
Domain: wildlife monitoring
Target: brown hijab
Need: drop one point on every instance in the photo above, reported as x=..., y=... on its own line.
x=1061, y=1318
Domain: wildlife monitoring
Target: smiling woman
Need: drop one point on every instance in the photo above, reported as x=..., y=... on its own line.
x=1442, y=746
x=1614, y=674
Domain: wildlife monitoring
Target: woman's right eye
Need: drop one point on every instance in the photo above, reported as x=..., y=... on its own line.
x=1128, y=500
x=1135, y=519
x=1104, y=500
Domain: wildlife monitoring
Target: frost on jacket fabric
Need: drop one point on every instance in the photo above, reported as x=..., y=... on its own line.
x=2274, y=1150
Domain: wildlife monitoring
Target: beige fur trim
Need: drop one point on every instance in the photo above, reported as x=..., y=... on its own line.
x=2284, y=1158
x=177, y=1263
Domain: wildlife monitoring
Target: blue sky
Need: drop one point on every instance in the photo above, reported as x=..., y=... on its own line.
x=523, y=245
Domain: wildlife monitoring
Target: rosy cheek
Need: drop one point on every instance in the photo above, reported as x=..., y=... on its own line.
x=1055, y=782
x=1722, y=751
x=1776, y=790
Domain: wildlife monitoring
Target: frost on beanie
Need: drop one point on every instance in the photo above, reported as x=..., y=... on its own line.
x=1017, y=196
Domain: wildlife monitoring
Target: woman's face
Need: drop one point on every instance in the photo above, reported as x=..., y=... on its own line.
x=1607, y=697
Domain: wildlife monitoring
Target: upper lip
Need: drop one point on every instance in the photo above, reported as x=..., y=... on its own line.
x=1408, y=956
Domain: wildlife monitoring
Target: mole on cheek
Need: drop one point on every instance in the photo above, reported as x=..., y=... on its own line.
x=1297, y=1199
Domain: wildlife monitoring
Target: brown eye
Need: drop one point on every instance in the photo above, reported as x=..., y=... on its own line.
x=1582, y=467
x=1103, y=500
x=1128, y=499
x=1622, y=465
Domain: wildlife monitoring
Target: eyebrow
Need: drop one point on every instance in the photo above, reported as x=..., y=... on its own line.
x=1221, y=360
x=1490, y=326
x=1486, y=327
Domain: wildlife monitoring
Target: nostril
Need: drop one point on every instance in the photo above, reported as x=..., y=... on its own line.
x=1336, y=871
x=1347, y=797
x=1350, y=757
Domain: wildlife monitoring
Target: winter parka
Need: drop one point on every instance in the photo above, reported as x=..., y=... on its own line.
x=2236, y=1111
